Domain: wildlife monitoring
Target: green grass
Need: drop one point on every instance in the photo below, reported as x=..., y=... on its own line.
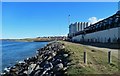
x=97, y=61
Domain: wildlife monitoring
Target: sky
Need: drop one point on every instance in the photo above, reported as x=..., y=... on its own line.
x=60, y=0
x=36, y=19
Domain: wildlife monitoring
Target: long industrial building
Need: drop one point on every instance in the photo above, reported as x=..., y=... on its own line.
x=76, y=27
x=104, y=31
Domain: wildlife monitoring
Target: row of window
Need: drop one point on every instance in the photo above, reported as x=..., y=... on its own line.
x=111, y=22
x=108, y=23
x=109, y=40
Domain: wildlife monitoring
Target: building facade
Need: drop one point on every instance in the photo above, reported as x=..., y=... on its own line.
x=105, y=31
x=77, y=27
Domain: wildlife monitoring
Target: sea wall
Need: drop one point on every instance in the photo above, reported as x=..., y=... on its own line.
x=51, y=60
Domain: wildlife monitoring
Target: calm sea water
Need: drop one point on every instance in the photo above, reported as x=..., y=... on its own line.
x=15, y=51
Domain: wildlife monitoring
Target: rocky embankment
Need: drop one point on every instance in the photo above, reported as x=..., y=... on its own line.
x=52, y=60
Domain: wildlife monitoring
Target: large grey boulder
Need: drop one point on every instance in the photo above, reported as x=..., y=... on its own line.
x=58, y=67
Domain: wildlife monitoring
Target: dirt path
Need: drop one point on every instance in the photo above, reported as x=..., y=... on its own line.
x=114, y=51
x=97, y=59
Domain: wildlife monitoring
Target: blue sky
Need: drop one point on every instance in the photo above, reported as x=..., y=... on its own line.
x=60, y=0
x=34, y=19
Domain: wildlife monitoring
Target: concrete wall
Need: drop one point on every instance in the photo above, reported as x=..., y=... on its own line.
x=109, y=35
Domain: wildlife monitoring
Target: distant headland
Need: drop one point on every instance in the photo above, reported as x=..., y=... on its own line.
x=38, y=39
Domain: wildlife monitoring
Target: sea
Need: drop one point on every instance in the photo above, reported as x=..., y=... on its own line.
x=12, y=51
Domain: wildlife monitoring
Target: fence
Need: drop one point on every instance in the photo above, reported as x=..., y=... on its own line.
x=85, y=57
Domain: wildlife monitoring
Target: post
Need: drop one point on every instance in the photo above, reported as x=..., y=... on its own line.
x=69, y=19
x=85, y=57
x=109, y=57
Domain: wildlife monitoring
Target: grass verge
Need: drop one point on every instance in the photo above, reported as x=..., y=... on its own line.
x=97, y=61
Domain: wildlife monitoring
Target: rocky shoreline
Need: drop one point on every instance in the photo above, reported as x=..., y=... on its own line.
x=51, y=60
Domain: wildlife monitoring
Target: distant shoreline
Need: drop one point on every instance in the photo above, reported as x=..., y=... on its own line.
x=26, y=40
x=38, y=39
